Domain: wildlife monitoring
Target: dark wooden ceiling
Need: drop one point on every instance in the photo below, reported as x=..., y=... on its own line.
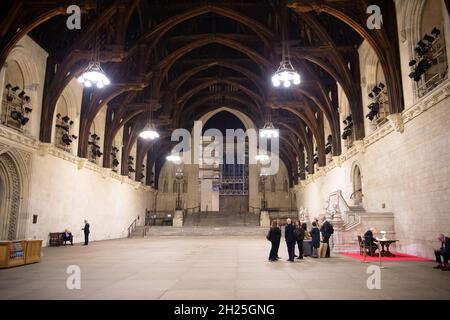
x=186, y=58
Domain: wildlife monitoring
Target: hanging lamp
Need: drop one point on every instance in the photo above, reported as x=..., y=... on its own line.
x=149, y=132
x=94, y=74
x=285, y=75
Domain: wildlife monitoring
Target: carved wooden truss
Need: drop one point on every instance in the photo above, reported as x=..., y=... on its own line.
x=187, y=58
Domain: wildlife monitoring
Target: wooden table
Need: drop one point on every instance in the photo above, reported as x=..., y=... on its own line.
x=385, y=243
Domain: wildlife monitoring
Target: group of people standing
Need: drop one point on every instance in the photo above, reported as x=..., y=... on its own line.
x=295, y=234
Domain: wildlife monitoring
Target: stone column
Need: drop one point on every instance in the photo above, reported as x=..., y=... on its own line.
x=178, y=219
x=264, y=219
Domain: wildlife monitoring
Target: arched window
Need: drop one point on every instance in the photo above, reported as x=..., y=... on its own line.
x=165, y=187
x=285, y=186
x=272, y=185
x=357, y=186
x=175, y=186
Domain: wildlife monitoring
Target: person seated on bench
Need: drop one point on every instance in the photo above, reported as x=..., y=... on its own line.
x=370, y=242
x=443, y=252
x=67, y=236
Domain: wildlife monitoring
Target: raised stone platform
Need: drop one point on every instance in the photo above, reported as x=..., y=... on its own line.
x=206, y=231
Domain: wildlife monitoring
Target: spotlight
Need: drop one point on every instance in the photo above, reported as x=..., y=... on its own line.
x=376, y=90
x=24, y=120
x=381, y=85
x=371, y=95
x=27, y=98
x=66, y=139
x=115, y=162
x=21, y=94
x=429, y=39
x=15, y=89
x=412, y=63
x=28, y=110
x=8, y=86
x=15, y=115
x=65, y=119
x=374, y=111
x=436, y=32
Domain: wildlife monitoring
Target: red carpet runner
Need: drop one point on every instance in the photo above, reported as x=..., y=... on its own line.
x=398, y=257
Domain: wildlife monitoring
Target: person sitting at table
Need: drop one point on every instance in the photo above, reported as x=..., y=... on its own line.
x=370, y=242
x=67, y=236
x=443, y=252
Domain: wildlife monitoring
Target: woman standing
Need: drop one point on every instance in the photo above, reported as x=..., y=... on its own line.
x=274, y=237
x=315, y=237
x=300, y=236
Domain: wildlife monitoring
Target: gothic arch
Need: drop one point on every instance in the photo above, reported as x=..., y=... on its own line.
x=357, y=185
x=14, y=184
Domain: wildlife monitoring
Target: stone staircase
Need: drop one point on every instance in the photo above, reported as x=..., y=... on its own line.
x=353, y=221
x=221, y=219
x=139, y=232
x=193, y=231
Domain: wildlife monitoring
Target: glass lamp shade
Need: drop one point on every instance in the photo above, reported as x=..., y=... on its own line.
x=264, y=172
x=174, y=159
x=262, y=158
x=94, y=76
x=286, y=75
x=149, y=133
x=268, y=131
x=179, y=174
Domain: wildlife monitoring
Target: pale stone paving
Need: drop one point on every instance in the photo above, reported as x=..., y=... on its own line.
x=211, y=268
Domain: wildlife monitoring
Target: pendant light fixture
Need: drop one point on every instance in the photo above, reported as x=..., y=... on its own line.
x=149, y=132
x=285, y=75
x=94, y=74
x=174, y=159
x=269, y=131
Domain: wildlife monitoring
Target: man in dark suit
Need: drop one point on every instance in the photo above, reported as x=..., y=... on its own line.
x=86, y=232
x=443, y=252
x=290, y=239
x=326, y=230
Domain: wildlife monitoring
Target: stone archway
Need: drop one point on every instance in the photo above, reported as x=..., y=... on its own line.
x=10, y=198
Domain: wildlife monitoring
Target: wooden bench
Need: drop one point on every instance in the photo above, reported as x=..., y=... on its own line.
x=56, y=239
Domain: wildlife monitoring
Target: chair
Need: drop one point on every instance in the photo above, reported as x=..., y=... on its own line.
x=361, y=245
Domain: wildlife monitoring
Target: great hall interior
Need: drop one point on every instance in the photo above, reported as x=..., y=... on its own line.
x=355, y=93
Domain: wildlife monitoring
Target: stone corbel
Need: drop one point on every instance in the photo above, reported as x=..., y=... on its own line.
x=396, y=121
x=81, y=163
x=106, y=172
x=359, y=145
x=337, y=161
x=43, y=149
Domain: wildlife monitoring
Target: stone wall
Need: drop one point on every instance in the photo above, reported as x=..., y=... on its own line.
x=62, y=195
x=405, y=173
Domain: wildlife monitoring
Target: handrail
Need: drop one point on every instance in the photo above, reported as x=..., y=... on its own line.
x=132, y=227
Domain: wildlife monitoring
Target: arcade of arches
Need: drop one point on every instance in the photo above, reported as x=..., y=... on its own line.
x=74, y=153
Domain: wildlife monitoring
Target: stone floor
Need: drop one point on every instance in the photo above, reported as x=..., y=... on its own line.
x=211, y=268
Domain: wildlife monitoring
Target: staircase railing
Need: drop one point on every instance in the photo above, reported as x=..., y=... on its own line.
x=350, y=216
x=132, y=227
